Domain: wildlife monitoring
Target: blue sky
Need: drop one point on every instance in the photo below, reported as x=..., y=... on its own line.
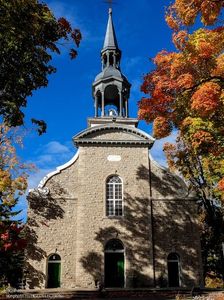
x=67, y=102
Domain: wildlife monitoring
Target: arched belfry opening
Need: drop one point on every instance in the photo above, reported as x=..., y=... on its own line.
x=111, y=98
x=111, y=95
x=114, y=264
x=111, y=88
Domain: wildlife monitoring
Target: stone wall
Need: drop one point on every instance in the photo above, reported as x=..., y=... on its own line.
x=175, y=229
x=71, y=220
x=51, y=227
x=50, y=234
x=95, y=229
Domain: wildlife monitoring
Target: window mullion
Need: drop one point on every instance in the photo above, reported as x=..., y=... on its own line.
x=114, y=196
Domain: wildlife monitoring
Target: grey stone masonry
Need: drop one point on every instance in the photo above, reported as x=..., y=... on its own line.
x=67, y=215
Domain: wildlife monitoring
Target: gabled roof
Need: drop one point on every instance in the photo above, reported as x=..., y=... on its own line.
x=92, y=136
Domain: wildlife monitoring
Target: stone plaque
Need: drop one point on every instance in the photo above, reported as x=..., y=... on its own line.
x=114, y=157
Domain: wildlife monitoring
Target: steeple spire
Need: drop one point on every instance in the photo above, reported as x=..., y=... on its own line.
x=111, y=88
x=110, y=41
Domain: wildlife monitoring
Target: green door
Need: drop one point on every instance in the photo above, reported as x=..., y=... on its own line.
x=114, y=269
x=54, y=274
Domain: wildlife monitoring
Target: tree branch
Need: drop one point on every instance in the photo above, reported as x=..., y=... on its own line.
x=211, y=78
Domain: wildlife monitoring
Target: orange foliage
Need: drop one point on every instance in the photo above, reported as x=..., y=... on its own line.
x=172, y=22
x=203, y=140
x=144, y=112
x=163, y=58
x=170, y=151
x=206, y=50
x=210, y=10
x=219, y=69
x=185, y=91
x=186, y=12
x=180, y=39
x=177, y=75
x=161, y=127
x=185, y=81
x=221, y=185
x=206, y=99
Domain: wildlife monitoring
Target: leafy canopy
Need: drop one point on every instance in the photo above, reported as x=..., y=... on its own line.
x=29, y=35
x=13, y=184
x=185, y=92
x=185, y=12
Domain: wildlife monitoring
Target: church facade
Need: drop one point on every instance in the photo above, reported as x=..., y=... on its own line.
x=112, y=216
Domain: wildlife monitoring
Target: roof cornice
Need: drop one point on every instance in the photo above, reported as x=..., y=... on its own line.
x=83, y=139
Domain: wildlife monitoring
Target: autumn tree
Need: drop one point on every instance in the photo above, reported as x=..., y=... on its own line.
x=13, y=184
x=185, y=92
x=29, y=35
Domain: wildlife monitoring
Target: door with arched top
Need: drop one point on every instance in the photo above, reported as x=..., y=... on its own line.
x=173, y=264
x=54, y=271
x=114, y=264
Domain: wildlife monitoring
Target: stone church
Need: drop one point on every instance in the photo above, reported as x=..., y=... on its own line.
x=111, y=216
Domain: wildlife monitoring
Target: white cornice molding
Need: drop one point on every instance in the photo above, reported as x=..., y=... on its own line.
x=129, y=129
x=58, y=170
x=113, y=142
x=157, y=164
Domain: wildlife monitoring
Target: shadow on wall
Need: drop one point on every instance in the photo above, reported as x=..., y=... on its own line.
x=173, y=231
x=176, y=232
x=42, y=208
x=136, y=225
x=135, y=240
x=175, y=228
x=91, y=264
x=163, y=182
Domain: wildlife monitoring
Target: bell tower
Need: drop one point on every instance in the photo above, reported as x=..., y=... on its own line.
x=111, y=88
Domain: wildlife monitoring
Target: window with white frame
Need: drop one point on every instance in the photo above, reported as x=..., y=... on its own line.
x=114, y=196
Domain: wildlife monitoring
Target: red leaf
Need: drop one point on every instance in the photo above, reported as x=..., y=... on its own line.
x=73, y=53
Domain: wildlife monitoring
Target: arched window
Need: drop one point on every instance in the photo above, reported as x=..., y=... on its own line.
x=114, y=196
x=173, y=264
x=54, y=271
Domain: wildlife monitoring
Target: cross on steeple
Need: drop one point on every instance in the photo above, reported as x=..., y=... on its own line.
x=110, y=3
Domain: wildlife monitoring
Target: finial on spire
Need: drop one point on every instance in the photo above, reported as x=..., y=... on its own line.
x=110, y=41
x=110, y=3
x=111, y=87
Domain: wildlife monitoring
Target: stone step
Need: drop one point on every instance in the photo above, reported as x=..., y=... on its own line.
x=45, y=294
x=142, y=294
